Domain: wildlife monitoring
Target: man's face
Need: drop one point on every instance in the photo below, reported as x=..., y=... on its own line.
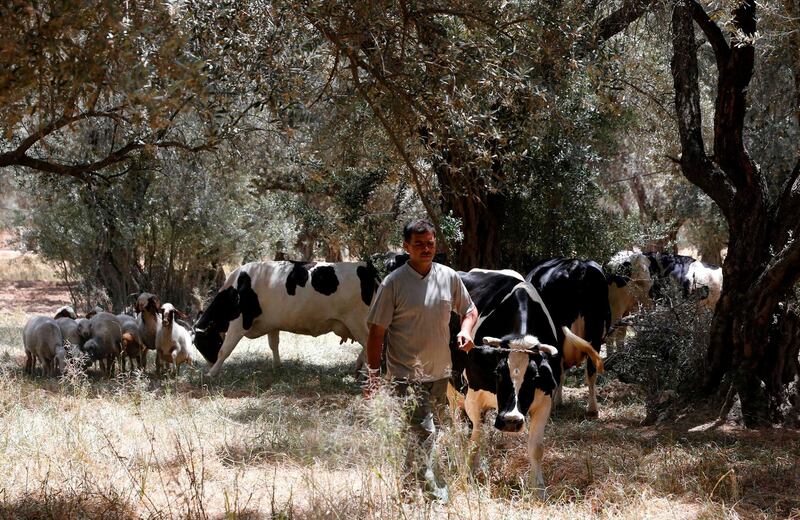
x=421, y=248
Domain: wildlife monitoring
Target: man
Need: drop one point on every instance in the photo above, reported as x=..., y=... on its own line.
x=412, y=310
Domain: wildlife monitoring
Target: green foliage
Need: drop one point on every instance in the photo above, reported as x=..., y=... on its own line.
x=85, y=87
x=166, y=228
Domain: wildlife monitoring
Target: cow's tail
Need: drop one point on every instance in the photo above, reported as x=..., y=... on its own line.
x=572, y=340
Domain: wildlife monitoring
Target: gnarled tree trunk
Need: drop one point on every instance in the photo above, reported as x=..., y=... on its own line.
x=763, y=261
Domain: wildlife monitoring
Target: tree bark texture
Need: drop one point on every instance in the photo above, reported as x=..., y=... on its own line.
x=763, y=262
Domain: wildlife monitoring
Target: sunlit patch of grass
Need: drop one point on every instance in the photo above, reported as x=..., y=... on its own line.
x=16, y=266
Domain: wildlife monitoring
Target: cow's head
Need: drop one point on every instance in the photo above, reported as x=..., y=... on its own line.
x=518, y=375
x=629, y=283
x=227, y=305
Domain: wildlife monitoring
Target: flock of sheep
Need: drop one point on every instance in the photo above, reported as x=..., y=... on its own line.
x=104, y=338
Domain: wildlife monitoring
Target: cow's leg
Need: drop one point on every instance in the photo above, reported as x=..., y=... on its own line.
x=274, y=340
x=358, y=331
x=474, y=407
x=557, y=397
x=232, y=337
x=28, y=362
x=539, y=414
x=591, y=379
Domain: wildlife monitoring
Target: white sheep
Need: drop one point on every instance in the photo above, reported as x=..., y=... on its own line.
x=42, y=340
x=172, y=340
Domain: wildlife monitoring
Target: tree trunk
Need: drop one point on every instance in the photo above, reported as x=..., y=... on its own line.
x=481, y=221
x=469, y=197
x=763, y=261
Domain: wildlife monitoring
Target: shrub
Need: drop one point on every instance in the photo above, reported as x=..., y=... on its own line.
x=664, y=351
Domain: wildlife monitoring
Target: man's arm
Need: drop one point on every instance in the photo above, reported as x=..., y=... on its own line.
x=464, y=337
x=374, y=348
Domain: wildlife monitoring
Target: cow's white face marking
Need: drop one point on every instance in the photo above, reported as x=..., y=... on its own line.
x=517, y=367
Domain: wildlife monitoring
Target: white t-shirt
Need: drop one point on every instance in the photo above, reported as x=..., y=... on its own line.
x=415, y=310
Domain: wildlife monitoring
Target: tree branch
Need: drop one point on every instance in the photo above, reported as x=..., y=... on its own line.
x=713, y=33
x=695, y=164
x=731, y=105
x=619, y=20
x=54, y=126
x=786, y=209
x=784, y=269
x=396, y=141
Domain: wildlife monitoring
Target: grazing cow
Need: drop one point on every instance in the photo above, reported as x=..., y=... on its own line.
x=513, y=316
x=576, y=295
x=629, y=284
x=694, y=279
x=635, y=280
x=310, y=298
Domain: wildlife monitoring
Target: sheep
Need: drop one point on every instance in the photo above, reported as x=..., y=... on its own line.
x=173, y=340
x=42, y=340
x=105, y=340
x=133, y=348
x=70, y=335
x=97, y=310
x=148, y=307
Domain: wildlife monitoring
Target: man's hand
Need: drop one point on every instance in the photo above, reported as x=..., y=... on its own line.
x=464, y=341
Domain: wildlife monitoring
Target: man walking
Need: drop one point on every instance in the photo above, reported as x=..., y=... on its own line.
x=412, y=310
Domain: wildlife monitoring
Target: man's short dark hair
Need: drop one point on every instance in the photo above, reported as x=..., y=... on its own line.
x=417, y=226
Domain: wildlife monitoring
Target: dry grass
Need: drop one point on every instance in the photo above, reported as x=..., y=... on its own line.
x=302, y=443
x=15, y=266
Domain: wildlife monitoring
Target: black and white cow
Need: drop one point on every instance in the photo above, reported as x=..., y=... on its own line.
x=519, y=383
x=636, y=279
x=576, y=294
x=694, y=279
x=310, y=298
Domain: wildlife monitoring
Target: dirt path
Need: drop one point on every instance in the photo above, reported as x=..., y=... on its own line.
x=35, y=297
x=26, y=285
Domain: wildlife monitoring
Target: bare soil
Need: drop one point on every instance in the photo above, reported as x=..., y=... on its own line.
x=33, y=297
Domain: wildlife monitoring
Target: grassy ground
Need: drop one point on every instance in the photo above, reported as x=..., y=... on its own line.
x=300, y=442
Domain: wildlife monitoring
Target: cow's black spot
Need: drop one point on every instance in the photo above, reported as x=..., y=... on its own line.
x=248, y=300
x=620, y=281
x=214, y=322
x=546, y=380
x=208, y=344
x=298, y=276
x=324, y=280
x=368, y=276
